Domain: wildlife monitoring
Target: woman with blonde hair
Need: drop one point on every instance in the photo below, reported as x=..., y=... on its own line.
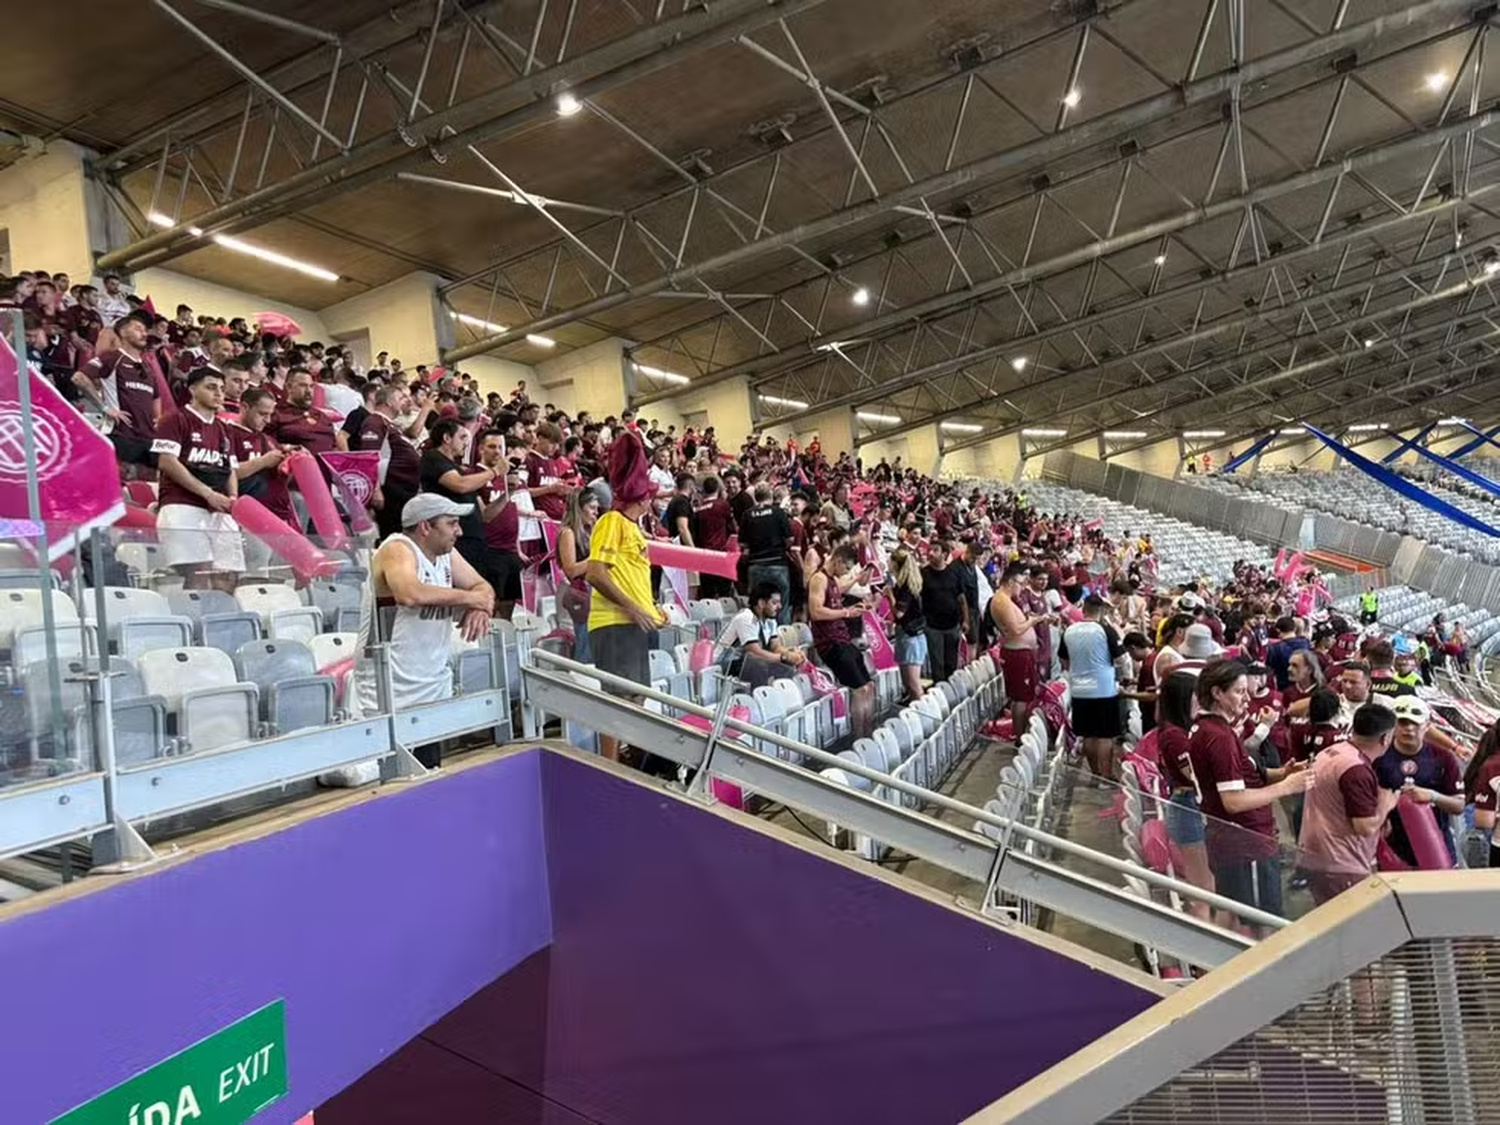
x=573, y=559
x=911, y=622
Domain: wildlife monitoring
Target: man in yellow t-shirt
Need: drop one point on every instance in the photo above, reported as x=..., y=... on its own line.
x=622, y=611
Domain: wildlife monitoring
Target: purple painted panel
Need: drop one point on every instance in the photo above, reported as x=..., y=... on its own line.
x=702, y=972
x=372, y=922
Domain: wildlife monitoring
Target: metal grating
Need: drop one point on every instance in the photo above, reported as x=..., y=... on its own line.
x=1414, y=1038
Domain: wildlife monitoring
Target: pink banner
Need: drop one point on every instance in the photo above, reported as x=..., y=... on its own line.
x=77, y=475
x=356, y=476
x=880, y=644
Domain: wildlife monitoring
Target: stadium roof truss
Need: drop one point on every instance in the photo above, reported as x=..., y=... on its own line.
x=1104, y=216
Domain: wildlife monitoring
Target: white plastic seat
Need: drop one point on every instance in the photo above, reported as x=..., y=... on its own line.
x=22, y=609
x=330, y=648
x=292, y=695
x=339, y=602
x=138, y=620
x=204, y=695
x=282, y=614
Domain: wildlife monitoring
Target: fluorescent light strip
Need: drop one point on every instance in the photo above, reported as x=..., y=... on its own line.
x=1125, y=435
x=1292, y=430
x=1044, y=433
x=664, y=376
x=1203, y=433
x=249, y=249
x=1367, y=428
x=789, y=403
x=961, y=427
x=1451, y=421
x=878, y=419
x=491, y=326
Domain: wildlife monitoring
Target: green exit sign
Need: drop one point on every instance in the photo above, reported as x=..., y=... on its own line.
x=224, y=1079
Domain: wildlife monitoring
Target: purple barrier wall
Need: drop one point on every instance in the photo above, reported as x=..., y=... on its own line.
x=701, y=972
x=371, y=922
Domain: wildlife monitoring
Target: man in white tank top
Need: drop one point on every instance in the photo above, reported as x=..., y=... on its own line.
x=419, y=588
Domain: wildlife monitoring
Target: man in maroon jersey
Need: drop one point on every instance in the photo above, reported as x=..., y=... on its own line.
x=715, y=521
x=119, y=383
x=544, y=471
x=298, y=421
x=400, y=474
x=258, y=469
x=502, y=522
x=195, y=453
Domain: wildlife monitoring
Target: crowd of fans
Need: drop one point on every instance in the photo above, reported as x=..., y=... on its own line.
x=479, y=495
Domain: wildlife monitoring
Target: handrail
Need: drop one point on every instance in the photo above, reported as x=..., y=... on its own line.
x=1178, y=1034
x=1006, y=824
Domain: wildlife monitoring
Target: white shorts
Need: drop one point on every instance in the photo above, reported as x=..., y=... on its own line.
x=196, y=536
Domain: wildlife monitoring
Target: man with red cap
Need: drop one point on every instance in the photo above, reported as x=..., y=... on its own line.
x=623, y=613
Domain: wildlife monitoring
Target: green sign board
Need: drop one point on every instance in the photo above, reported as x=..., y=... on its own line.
x=224, y=1079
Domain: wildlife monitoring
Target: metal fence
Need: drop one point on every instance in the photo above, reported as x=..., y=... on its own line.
x=1381, y=1007
x=1398, y=559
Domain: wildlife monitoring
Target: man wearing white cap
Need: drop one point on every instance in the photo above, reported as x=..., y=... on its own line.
x=1431, y=775
x=419, y=586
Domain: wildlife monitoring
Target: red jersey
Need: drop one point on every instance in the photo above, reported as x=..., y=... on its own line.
x=504, y=531
x=269, y=486
x=715, y=523
x=1221, y=765
x=404, y=468
x=1485, y=792
x=541, y=471
x=128, y=383
x=206, y=450
x=309, y=428
x=1176, y=761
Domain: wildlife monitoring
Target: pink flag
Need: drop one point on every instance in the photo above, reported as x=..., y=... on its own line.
x=356, y=476
x=78, y=476
x=880, y=644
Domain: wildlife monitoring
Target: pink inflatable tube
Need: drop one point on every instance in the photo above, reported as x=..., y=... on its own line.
x=308, y=474
x=723, y=563
x=306, y=561
x=1425, y=836
x=136, y=516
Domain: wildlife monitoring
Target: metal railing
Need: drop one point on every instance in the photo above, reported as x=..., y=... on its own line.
x=552, y=684
x=1381, y=1007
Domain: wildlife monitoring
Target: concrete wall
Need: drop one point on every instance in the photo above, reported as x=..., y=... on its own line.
x=726, y=405
x=500, y=375
x=167, y=290
x=591, y=378
x=44, y=210
x=403, y=317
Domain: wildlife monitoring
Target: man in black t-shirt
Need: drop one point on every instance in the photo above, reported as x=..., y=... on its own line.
x=681, y=520
x=441, y=474
x=946, y=610
x=765, y=534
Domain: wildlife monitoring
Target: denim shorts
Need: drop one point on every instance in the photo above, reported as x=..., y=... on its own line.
x=911, y=649
x=1185, y=824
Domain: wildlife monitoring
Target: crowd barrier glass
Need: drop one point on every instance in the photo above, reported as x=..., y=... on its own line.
x=150, y=672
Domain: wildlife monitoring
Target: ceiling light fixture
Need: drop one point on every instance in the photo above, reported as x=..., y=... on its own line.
x=1125, y=435
x=878, y=419
x=1292, y=430
x=658, y=373
x=1437, y=82
x=1492, y=267
x=861, y=296
x=789, y=403
x=1369, y=343
x=475, y=322
x=540, y=341
x=1019, y=363
x=567, y=104
x=1452, y=421
x=1367, y=428
x=249, y=249
x=1041, y=432
x=1160, y=259
x=961, y=427
x=1203, y=433
x=1072, y=98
